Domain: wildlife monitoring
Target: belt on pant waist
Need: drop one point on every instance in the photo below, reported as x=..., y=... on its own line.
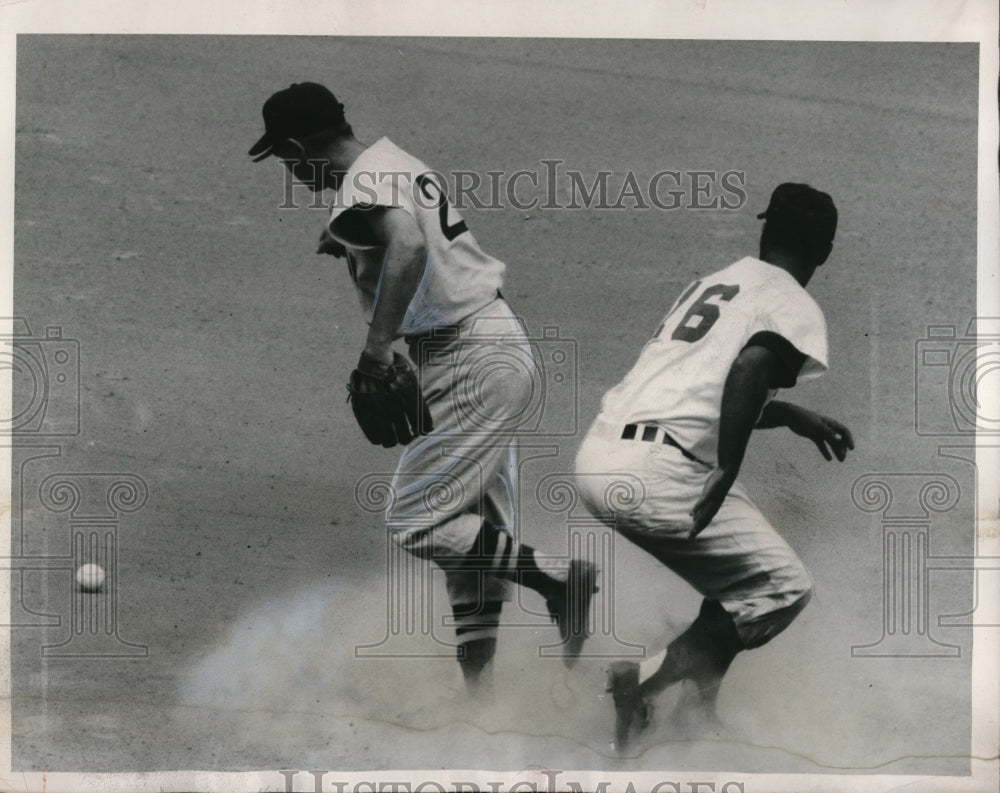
x=651, y=434
x=437, y=333
x=441, y=332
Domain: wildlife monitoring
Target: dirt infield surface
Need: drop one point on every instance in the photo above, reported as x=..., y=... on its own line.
x=214, y=346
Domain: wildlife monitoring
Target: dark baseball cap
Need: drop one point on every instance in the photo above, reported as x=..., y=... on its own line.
x=295, y=112
x=802, y=208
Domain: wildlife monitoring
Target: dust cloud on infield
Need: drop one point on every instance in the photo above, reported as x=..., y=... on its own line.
x=214, y=348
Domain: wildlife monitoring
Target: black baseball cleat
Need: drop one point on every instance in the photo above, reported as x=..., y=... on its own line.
x=570, y=608
x=631, y=709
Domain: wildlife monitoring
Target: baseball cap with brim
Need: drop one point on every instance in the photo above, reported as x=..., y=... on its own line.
x=295, y=112
x=802, y=207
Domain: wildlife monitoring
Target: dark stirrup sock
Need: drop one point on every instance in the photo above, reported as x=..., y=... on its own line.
x=496, y=552
x=704, y=651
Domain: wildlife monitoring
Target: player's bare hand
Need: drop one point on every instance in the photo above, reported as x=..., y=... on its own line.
x=330, y=246
x=712, y=495
x=831, y=437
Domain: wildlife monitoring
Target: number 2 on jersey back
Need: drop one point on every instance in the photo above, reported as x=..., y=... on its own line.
x=691, y=330
x=424, y=182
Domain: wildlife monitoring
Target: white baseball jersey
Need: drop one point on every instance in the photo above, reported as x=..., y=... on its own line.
x=459, y=278
x=678, y=380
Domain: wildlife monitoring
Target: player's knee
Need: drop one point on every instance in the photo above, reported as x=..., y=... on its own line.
x=416, y=542
x=760, y=631
x=790, y=612
x=794, y=583
x=804, y=598
x=415, y=533
x=802, y=591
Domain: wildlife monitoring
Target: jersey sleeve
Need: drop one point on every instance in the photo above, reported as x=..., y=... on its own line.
x=793, y=329
x=365, y=189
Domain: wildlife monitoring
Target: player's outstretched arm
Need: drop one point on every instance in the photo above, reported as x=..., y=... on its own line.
x=828, y=434
x=750, y=378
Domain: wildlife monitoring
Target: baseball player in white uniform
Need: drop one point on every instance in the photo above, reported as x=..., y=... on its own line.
x=679, y=423
x=420, y=275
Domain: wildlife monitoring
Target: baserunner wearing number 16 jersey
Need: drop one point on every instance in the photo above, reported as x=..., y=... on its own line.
x=676, y=429
x=678, y=380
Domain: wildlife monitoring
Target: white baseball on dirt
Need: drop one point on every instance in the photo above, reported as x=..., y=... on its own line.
x=90, y=577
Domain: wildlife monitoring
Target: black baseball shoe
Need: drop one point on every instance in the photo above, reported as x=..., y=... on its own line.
x=631, y=709
x=570, y=608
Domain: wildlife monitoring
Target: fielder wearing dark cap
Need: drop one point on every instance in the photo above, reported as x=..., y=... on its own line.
x=299, y=111
x=420, y=275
